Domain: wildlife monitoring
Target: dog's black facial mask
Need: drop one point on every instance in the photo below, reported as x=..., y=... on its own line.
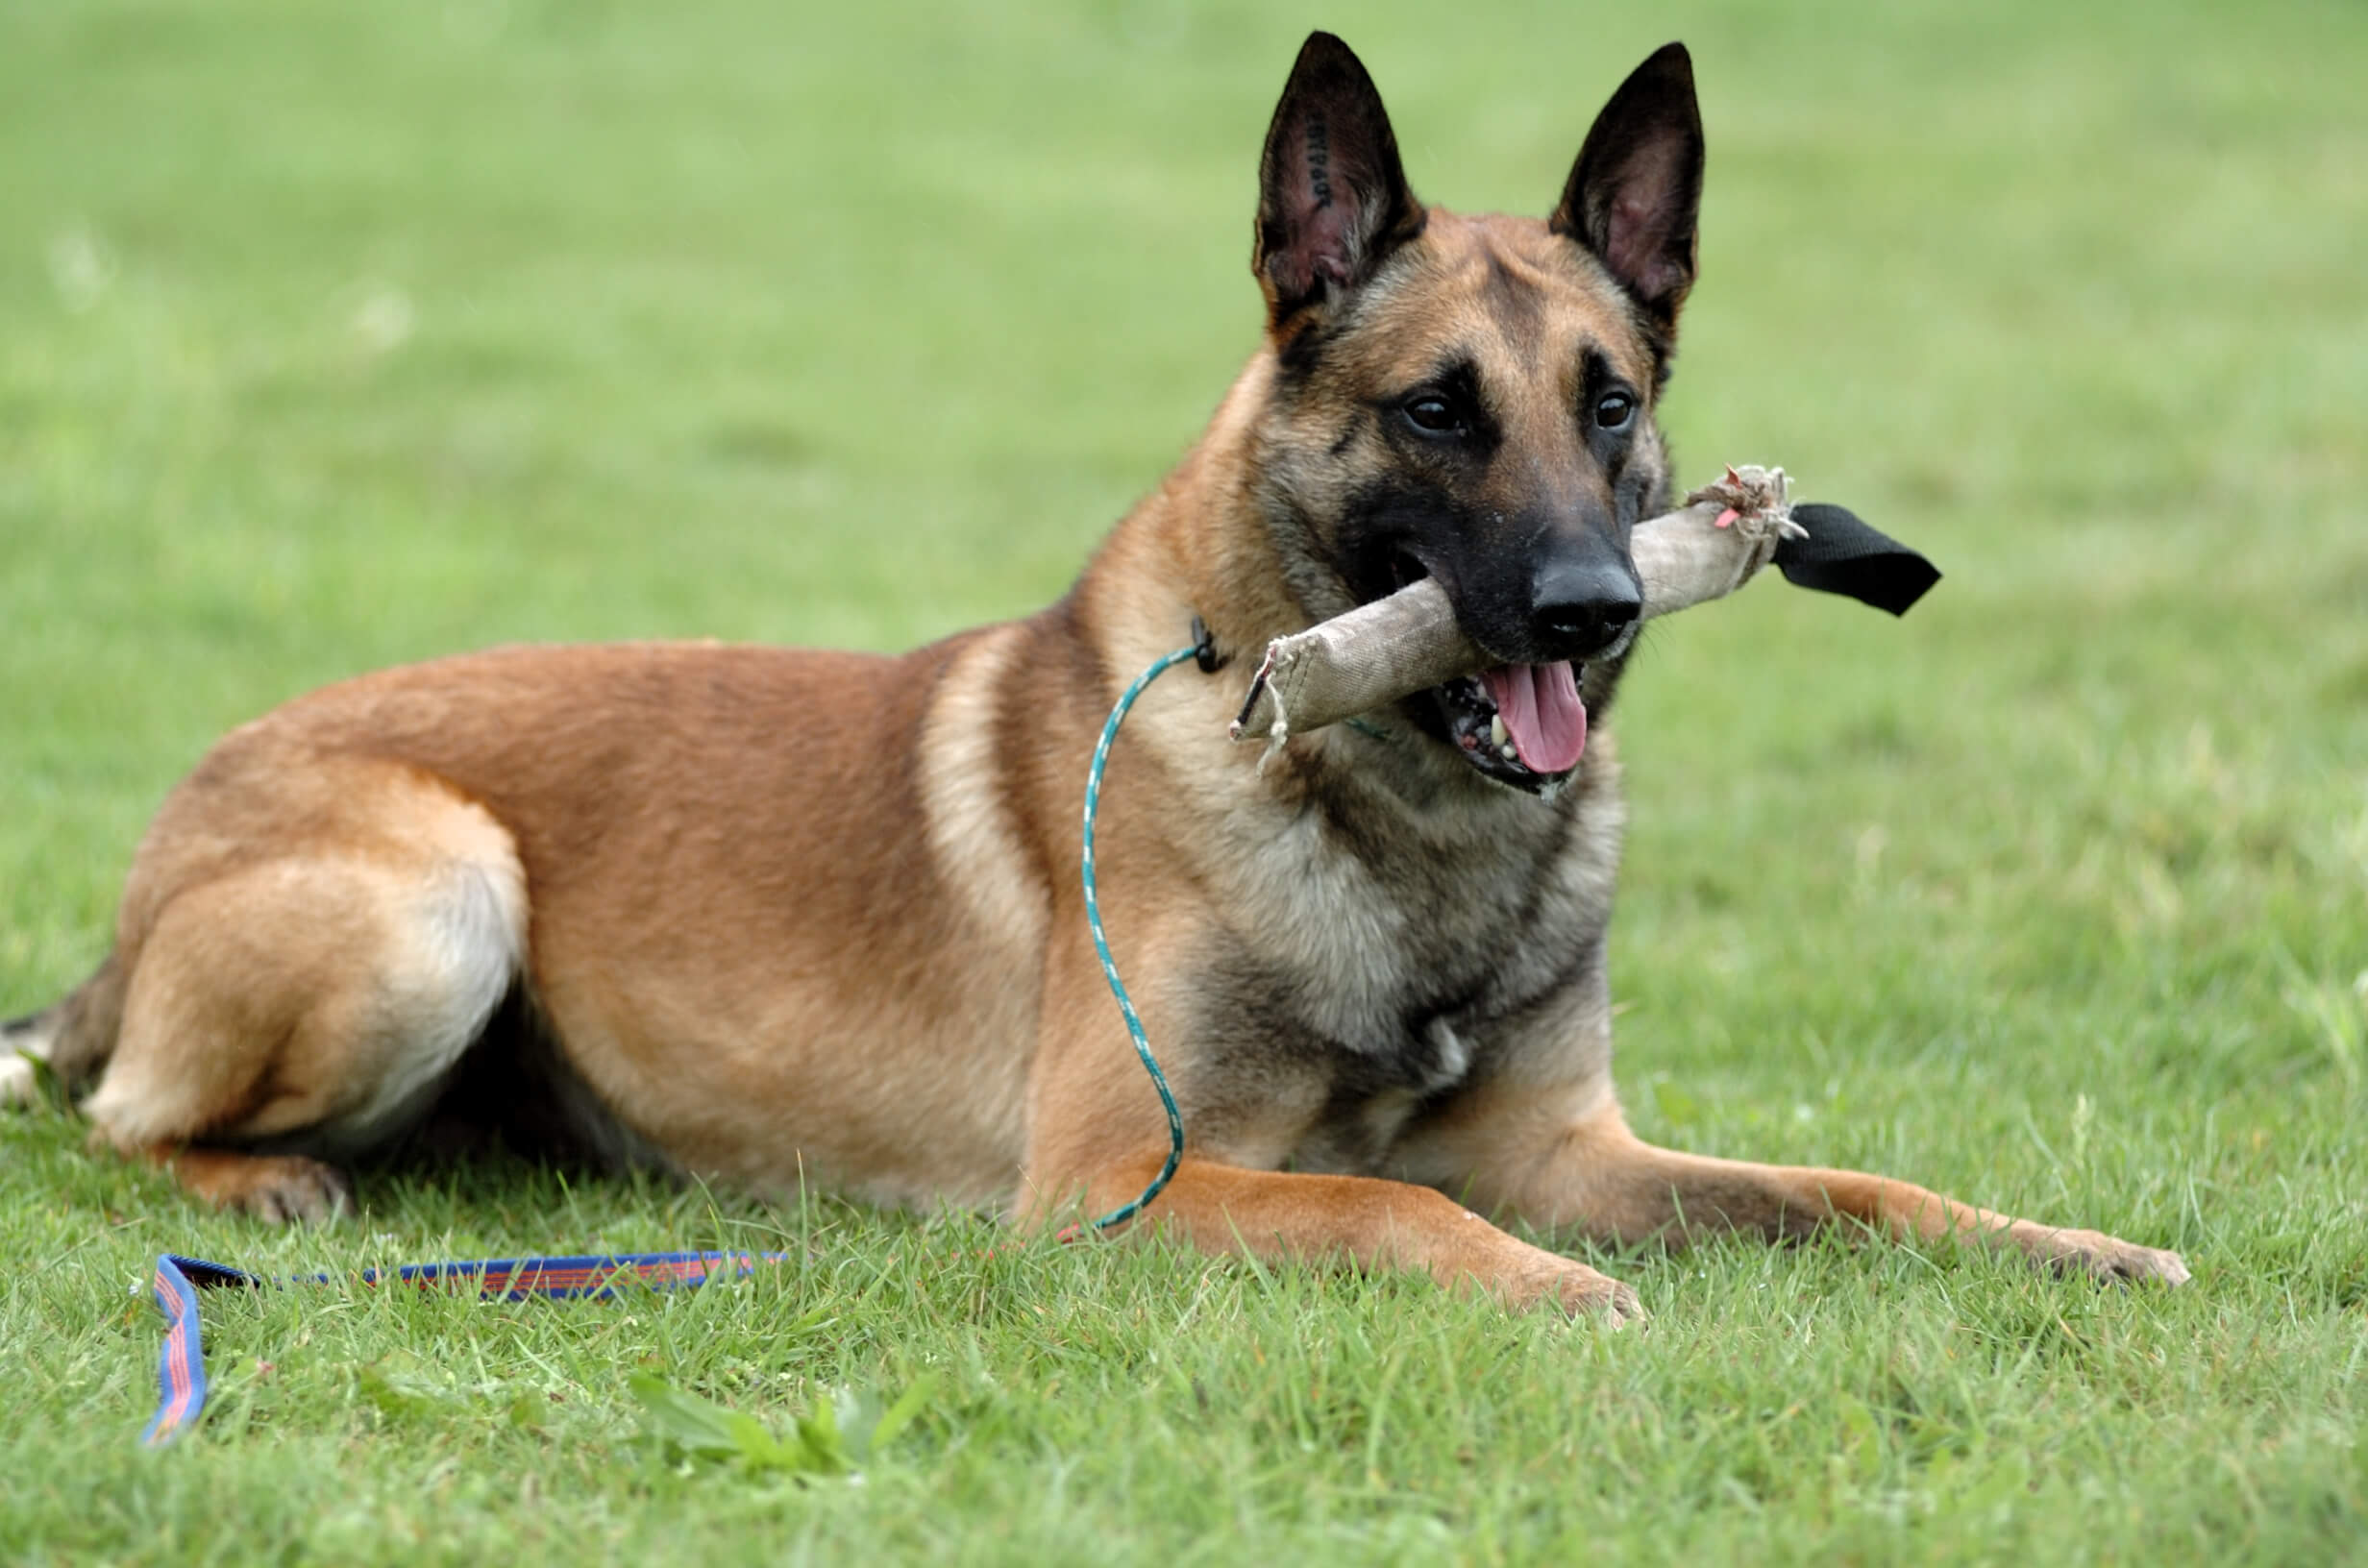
x=1472, y=399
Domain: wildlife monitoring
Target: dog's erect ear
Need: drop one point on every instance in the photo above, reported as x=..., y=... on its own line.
x=1636, y=190
x=1332, y=199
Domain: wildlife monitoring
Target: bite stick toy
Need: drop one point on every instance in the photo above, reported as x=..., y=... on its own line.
x=1707, y=548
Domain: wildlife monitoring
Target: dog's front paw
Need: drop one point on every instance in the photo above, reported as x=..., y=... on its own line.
x=2109, y=1258
x=1581, y=1292
x=1597, y=1296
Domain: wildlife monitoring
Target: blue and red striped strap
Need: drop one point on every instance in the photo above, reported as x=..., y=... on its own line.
x=181, y=1367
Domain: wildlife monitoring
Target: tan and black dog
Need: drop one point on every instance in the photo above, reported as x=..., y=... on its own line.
x=772, y=917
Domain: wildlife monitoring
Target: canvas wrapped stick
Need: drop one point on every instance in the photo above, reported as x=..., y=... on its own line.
x=1707, y=548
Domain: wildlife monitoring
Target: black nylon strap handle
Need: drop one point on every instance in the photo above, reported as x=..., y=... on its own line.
x=1843, y=555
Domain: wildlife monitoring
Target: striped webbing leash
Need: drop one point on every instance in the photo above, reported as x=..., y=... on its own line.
x=181, y=1367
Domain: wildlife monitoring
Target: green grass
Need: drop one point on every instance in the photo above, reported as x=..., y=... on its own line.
x=337, y=335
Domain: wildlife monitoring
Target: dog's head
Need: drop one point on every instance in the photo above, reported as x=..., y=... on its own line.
x=1472, y=397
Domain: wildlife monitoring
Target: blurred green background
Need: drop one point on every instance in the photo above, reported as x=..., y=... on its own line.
x=338, y=335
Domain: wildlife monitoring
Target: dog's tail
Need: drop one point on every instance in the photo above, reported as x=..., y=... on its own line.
x=74, y=1038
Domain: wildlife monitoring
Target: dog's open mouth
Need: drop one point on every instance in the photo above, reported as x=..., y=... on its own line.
x=1522, y=725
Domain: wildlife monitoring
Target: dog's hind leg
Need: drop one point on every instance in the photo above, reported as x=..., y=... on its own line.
x=290, y=1010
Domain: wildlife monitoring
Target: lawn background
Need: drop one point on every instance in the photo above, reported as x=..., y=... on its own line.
x=338, y=335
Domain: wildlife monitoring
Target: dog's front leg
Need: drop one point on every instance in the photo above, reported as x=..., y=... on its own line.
x=1098, y=1137
x=1366, y=1222
x=1575, y=1166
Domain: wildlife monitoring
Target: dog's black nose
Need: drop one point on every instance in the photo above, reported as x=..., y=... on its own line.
x=1577, y=609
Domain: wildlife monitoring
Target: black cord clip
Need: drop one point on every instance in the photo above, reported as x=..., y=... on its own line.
x=1204, y=648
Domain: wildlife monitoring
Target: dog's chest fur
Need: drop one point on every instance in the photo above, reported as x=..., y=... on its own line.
x=1381, y=935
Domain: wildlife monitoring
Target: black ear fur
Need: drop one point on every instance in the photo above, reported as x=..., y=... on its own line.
x=1333, y=201
x=1634, y=194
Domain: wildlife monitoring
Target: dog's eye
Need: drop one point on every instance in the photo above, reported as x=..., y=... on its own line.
x=1433, y=414
x=1614, y=409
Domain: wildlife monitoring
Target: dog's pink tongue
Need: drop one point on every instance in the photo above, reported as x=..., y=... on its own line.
x=1540, y=704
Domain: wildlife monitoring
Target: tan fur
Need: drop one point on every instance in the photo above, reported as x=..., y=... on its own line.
x=801, y=916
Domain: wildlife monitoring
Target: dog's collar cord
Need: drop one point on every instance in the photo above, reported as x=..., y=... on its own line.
x=1203, y=650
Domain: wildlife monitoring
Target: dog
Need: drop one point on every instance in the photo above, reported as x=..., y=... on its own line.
x=772, y=916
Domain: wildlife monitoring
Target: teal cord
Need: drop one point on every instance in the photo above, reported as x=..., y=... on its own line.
x=1102, y=944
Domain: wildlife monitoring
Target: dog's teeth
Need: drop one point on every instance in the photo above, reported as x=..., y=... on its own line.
x=1498, y=735
x=1507, y=752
